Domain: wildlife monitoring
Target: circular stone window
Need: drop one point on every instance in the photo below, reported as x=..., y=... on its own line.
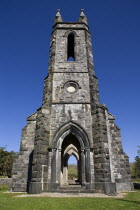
x=71, y=87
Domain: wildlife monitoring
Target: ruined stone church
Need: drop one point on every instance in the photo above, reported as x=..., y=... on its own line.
x=71, y=121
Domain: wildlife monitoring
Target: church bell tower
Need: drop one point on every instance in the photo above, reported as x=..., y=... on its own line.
x=71, y=121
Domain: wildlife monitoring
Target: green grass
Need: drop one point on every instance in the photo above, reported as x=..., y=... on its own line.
x=72, y=171
x=8, y=201
x=3, y=177
x=3, y=187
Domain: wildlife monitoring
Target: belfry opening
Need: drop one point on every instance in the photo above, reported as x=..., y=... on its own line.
x=71, y=122
x=70, y=48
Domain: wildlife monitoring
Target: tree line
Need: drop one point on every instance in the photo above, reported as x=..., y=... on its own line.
x=135, y=167
x=6, y=162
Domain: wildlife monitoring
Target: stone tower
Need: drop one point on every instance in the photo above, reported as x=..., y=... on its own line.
x=71, y=121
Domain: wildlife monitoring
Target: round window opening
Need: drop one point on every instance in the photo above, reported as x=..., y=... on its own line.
x=71, y=87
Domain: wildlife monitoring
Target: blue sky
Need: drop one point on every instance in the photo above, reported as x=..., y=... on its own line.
x=24, y=45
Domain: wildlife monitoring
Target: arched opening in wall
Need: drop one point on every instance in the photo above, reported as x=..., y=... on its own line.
x=72, y=170
x=70, y=149
x=70, y=140
x=70, y=48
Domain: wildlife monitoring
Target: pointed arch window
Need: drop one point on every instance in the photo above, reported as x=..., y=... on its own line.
x=70, y=48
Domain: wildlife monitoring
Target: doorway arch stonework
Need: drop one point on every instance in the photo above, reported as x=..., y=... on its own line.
x=80, y=148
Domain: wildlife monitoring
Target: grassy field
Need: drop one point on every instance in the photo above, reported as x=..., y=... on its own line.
x=72, y=171
x=8, y=201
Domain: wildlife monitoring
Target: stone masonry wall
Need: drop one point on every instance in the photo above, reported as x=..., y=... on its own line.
x=5, y=181
x=22, y=163
x=60, y=94
x=41, y=143
x=61, y=50
x=101, y=148
x=120, y=159
x=93, y=81
x=77, y=113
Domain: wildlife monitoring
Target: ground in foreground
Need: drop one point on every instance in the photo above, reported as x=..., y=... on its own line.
x=11, y=202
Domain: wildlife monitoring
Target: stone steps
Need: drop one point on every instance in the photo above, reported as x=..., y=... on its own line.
x=72, y=189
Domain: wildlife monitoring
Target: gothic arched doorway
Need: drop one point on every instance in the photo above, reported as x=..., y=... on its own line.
x=71, y=139
x=70, y=146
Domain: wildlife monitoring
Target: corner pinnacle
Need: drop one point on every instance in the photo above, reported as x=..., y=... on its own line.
x=58, y=17
x=82, y=17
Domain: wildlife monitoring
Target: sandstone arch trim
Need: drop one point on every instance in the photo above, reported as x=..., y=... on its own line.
x=70, y=32
x=71, y=128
